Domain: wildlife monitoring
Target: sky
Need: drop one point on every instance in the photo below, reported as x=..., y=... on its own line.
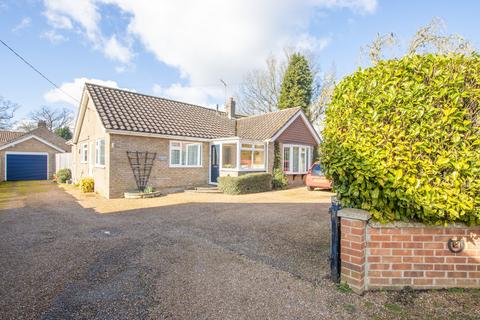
x=181, y=49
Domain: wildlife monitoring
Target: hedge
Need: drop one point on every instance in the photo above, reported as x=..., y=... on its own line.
x=401, y=139
x=248, y=183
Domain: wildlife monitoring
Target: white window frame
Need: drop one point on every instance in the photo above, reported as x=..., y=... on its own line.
x=180, y=148
x=308, y=157
x=84, y=153
x=97, y=153
x=252, y=149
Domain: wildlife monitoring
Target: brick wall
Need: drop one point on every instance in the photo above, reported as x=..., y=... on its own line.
x=395, y=255
x=162, y=175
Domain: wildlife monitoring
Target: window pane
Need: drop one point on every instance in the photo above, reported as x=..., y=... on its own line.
x=246, y=146
x=303, y=160
x=286, y=159
x=258, y=159
x=246, y=159
x=259, y=146
x=193, y=155
x=175, y=157
x=295, y=159
x=184, y=155
x=102, y=152
x=229, y=156
x=317, y=170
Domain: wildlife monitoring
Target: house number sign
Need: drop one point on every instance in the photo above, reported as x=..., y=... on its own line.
x=162, y=158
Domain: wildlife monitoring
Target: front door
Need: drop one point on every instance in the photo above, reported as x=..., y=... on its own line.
x=214, y=163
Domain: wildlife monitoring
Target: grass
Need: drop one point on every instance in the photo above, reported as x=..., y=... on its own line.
x=343, y=287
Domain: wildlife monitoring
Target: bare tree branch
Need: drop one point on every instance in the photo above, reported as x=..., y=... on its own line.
x=54, y=118
x=7, y=110
x=432, y=38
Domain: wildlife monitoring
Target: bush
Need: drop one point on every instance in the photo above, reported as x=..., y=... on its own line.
x=248, y=183
x=63, y=175
x=279, y=180
x=87, y=185
x=401, y=139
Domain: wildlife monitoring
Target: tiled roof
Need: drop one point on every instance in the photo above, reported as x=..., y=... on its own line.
x=129, y=111
x=264, y=126
x=134, y=112
x=42, y=133
x=6, y=136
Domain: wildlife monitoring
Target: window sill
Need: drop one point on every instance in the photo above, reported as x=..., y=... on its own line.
x=252, y=169
x=293, y=173
x=180, y=167
x=100, y=166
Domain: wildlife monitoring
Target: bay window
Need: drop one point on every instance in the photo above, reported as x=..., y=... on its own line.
x=296, y=158
x=185, y=154
x=252, y=156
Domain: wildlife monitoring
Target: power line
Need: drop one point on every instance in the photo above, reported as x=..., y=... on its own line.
x=36, y=70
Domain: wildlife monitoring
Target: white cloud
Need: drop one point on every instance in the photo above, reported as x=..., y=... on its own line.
x=212, y=39
x=75, y=89
x=62, y=14
x=54, y=37
x=206, y=40
x=195, y=95
x=24, y=23
x=116, y=51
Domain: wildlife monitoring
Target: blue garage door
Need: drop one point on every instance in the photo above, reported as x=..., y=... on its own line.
x=26, y=167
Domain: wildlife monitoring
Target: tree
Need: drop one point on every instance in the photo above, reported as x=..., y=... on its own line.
x=7, y=110
x=260, y=89
x=431, y=38
x=64, y=132
x=296, y=84
x=321, y=97
x=54, y=118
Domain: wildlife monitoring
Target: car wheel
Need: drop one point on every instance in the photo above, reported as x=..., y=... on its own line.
x=310, y=188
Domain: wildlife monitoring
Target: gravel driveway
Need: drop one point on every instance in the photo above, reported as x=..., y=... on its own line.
x=212, y=259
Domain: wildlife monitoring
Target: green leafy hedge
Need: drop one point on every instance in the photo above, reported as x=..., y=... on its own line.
x=401, y=139
x=248, y=183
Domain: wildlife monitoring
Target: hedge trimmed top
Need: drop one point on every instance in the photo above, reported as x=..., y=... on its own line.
x=402, y=140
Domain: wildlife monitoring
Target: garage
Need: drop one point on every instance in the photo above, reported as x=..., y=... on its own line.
x=26, y=166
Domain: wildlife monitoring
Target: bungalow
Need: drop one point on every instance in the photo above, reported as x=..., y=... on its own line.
x=188, y=145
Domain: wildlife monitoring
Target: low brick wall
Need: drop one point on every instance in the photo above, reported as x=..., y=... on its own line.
x=395, y=255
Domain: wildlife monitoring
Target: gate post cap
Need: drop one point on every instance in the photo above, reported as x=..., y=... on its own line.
x=355, y=214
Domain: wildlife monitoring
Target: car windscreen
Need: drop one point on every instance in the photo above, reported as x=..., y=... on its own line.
x=317, y=170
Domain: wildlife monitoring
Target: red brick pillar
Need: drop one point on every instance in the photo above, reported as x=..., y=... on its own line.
x=353, y=225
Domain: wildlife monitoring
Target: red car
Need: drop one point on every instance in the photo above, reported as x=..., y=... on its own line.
x=316, y=179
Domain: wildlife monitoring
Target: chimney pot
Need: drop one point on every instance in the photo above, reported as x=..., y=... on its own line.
x=230, y=108
x=42, y=124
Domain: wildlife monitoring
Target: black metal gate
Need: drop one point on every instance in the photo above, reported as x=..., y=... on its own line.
x=335, y=240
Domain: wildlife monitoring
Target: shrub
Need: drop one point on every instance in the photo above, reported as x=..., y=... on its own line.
x=87, y=185
x=279, y=180
x=248, y=183
x=149, y=189
x=401, y=139
x=63, y=175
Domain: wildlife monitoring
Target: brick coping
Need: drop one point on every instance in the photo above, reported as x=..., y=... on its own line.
x=401, y=224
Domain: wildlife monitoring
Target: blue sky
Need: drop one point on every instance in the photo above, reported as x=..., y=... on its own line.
x=180, y=49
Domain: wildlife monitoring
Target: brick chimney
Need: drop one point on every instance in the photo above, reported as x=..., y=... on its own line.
x=230, y=108
x=42, y=124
